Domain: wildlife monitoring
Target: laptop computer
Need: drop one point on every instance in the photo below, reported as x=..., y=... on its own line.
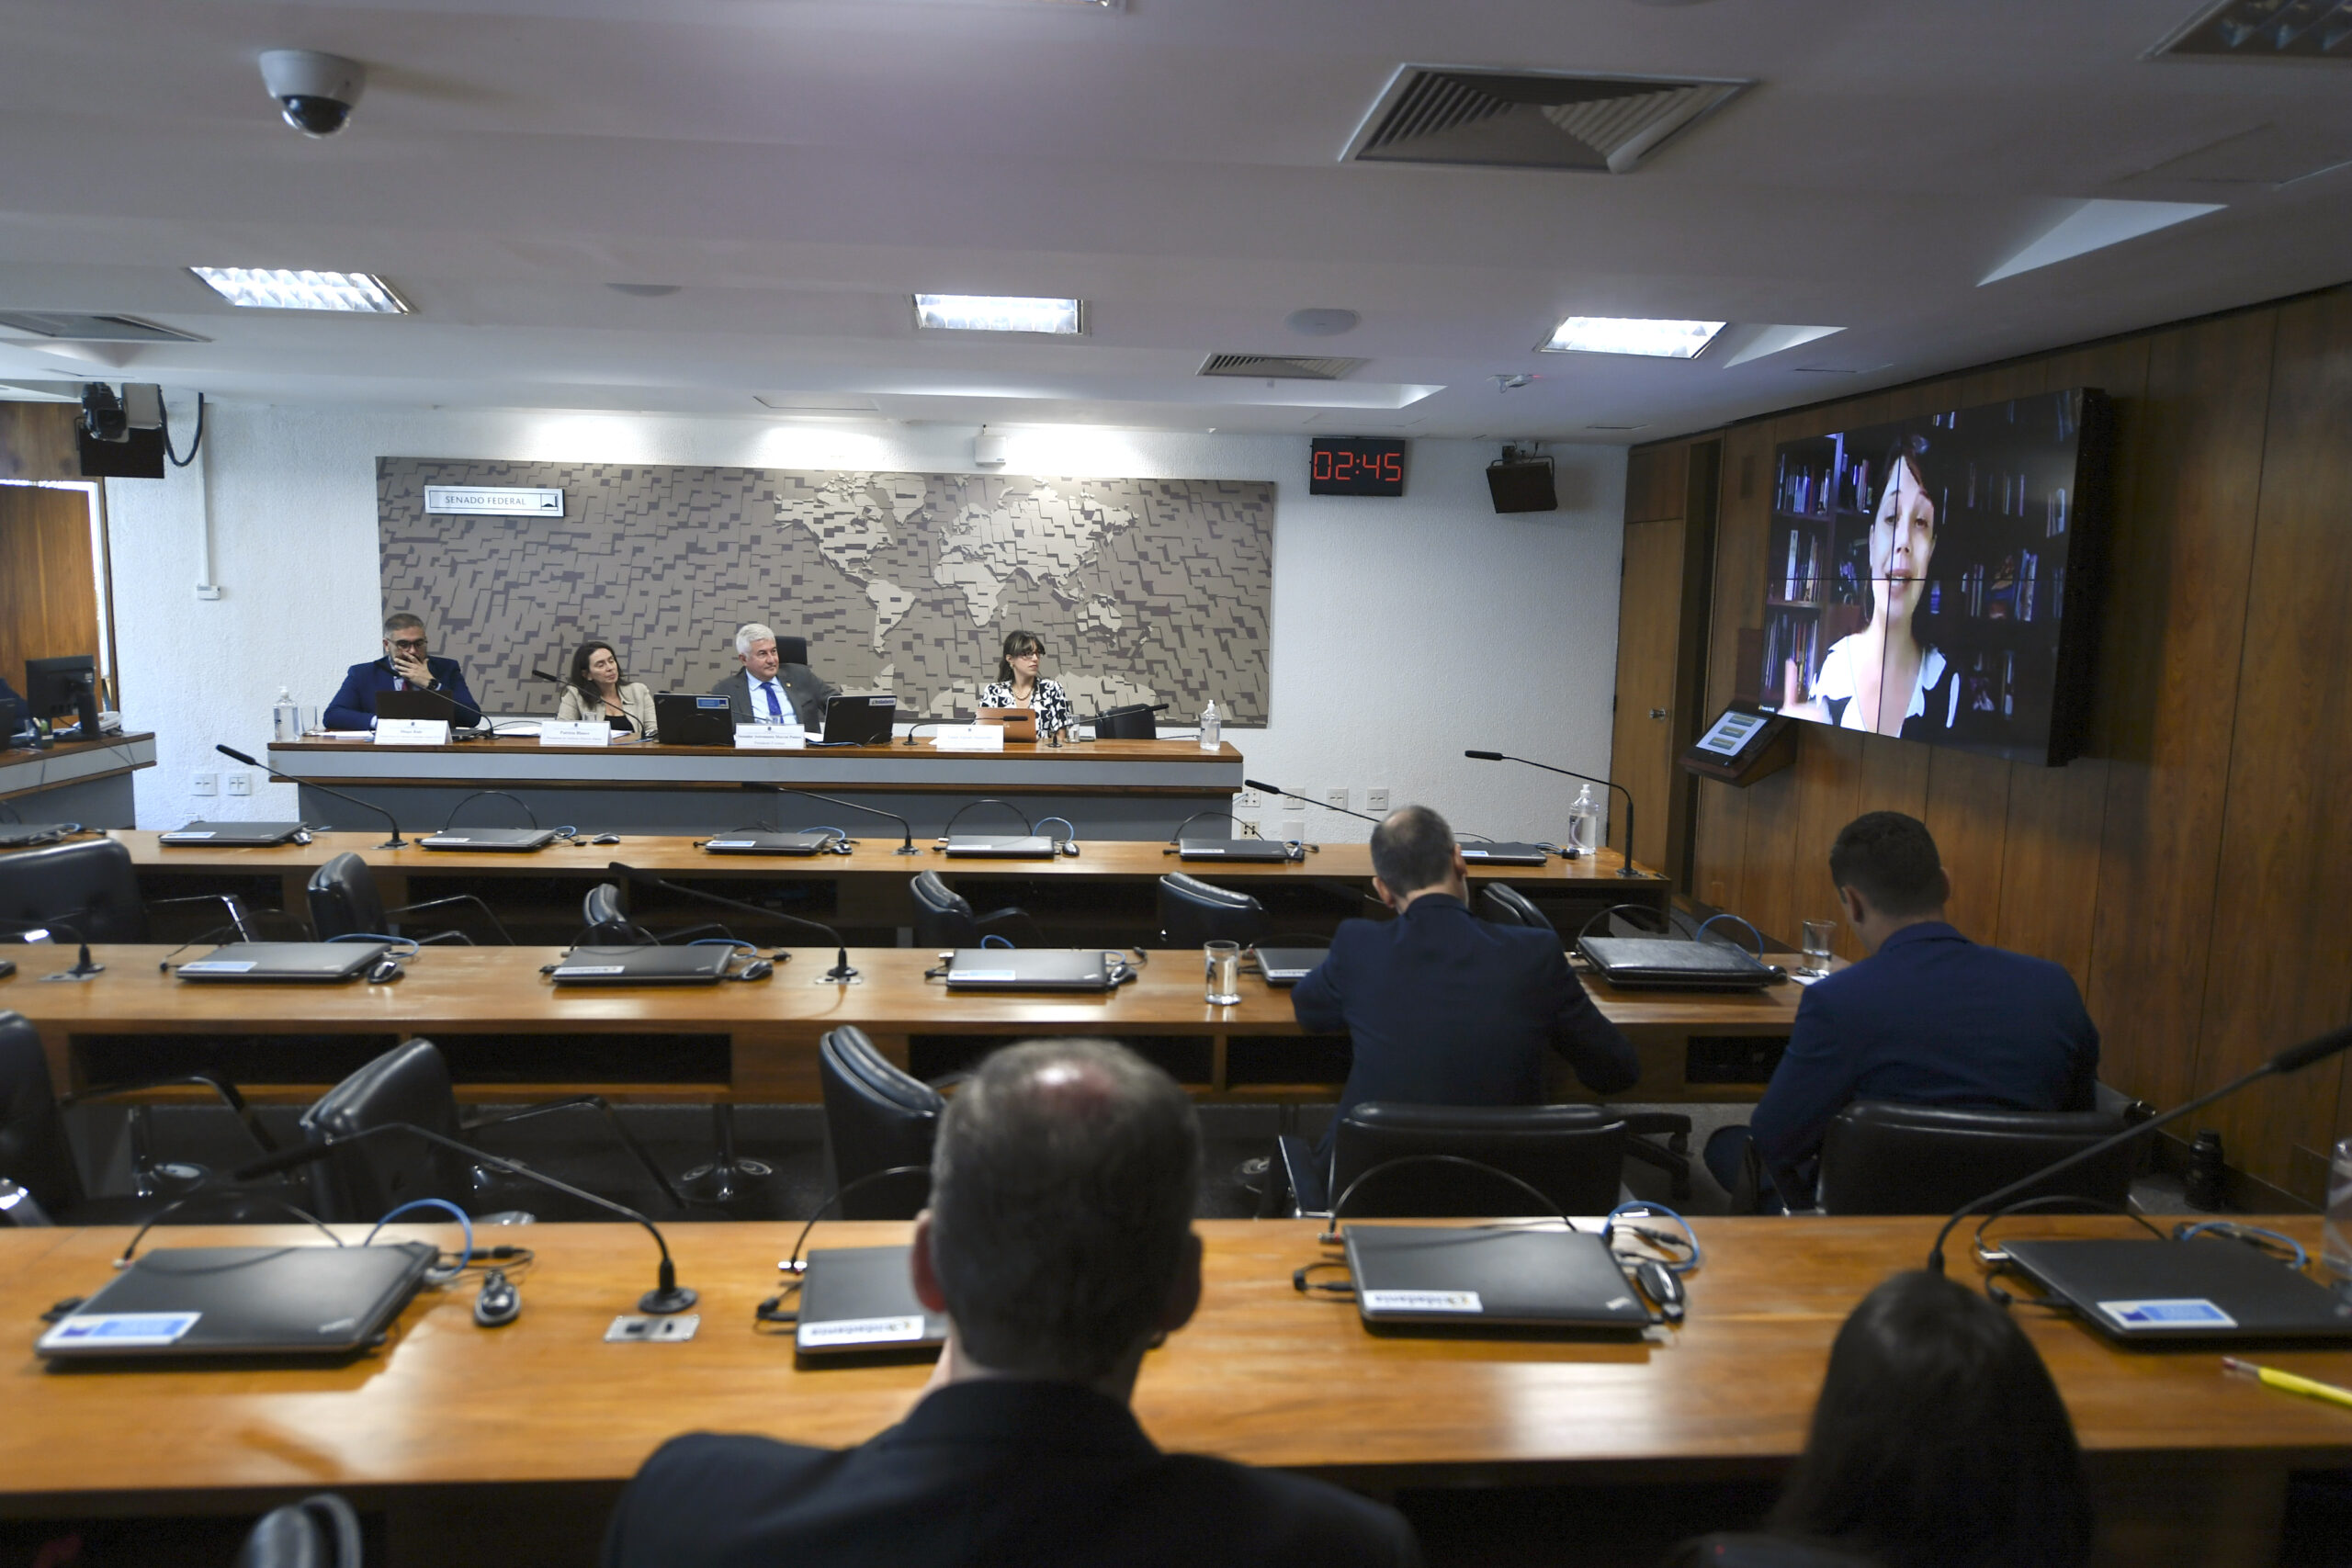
x=236, y=835
x=688, y=964
x=1000, y=846
x=179, y=1301
x=1235, y=848
x=413, y=703
x=681, y=719
x=858, y=1301
x=1501, y=1276
x=1505, y=855
x=31, y=835
x=767, y=841
x=860, y=721
x=268, y=962
x=1036, y=969
x=1656, y=962
x=508, y=840
x=1289, y=965
x=2207, y=1287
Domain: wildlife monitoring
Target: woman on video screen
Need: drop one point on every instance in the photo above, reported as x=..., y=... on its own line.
x=1884, y=679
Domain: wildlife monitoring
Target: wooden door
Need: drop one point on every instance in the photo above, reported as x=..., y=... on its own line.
x=48, y=588
x=1649, y=633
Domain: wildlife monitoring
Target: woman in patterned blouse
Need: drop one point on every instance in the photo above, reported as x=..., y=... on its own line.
x=1017, y=687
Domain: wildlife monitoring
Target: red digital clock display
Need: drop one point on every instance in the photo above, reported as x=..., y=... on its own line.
x=1354, y=466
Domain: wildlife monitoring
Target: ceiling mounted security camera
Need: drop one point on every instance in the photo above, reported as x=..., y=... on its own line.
x=315, y=91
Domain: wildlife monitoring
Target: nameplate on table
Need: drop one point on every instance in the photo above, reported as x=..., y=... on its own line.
x=575, y=732
x=1423, y=1301
x=771, y=738
x=412, y=732
x=904, y=1330
x=969, y=737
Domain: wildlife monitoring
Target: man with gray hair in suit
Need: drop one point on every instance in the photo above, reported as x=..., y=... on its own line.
x=769, y=691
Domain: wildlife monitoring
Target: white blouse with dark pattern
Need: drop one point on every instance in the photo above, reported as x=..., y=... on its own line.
x=1051, y=703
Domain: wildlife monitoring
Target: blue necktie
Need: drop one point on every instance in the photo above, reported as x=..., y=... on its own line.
x=775, y=710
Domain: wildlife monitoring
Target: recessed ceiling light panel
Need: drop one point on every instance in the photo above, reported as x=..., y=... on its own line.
x=999, y=313
x=280, y=289
x=1631, y=334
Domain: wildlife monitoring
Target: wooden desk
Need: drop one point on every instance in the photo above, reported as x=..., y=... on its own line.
x=763, y=1034
x=509, y=1446
x=77, y=781
x=1112, y=789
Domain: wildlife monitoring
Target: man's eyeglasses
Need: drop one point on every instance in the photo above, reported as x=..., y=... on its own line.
x=409, y=645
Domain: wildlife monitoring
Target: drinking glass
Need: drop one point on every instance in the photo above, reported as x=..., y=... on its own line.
x=310, y=720
x=2335, y=1251
x=1224, y=967
x=1818, y=935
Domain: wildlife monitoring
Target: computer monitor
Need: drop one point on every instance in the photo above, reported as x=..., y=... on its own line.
x=54, y=687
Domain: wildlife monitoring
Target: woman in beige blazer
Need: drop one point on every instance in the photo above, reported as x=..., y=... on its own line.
x=598, y=690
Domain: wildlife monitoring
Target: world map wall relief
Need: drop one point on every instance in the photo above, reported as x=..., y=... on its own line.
x=1144, y=589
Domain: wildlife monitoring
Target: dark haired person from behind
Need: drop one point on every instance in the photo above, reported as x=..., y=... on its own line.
x=1938, y=1441
x=1059, y=1243
x=1445, y=1009
x=1929, y=1019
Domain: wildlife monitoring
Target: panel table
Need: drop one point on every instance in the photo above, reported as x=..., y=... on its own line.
x=76, y=781
x=509, y=1444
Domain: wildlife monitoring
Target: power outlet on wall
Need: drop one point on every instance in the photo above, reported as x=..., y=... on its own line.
x=1337, y=797
x=204, y=784
x=1245, y=800
x=241, y=783
x=1376, y=800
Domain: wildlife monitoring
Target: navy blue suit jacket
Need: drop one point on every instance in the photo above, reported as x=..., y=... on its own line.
x=1003, y=1474
x=1447, y=1009
x=1930, y=1019
x=355, y=705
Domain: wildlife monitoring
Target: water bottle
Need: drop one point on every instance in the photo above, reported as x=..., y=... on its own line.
x=286, y=718
x=1584, y=824
x=2336, y=1248
x=1212, y=727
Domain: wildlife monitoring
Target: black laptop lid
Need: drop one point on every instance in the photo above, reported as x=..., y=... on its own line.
x=416, y=704
x=1232, y=849
x=1669, y=964
x=860, y=720
x=1505, y=855
x=514, y=839
x=690, y=965
x=2206, y=1288
x=243, y=1301
x=762, y=841
x=861, y=1301
x=270, y=961
x=235, y=835
x=1501, y=1276
x=686, y=720
x=1033, y=968
x=1289, y=965
x=1002, y=846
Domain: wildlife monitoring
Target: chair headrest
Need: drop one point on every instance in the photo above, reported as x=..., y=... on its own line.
x=1892, y=1116
x=1379, y=1116
x=1208, y=893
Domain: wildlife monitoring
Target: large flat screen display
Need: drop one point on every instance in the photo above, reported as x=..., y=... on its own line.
x=1936, y=578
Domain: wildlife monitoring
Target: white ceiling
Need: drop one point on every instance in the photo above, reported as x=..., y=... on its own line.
x=800, y=166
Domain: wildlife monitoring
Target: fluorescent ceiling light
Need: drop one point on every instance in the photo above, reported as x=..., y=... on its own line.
x=997, y=313
x=279, y=289
x=1631, y=334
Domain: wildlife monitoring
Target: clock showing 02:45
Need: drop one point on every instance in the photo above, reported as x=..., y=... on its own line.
x=1353, y=465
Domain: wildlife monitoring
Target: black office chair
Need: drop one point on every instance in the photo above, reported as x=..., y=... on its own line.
x=604, y=923
x=411, y=1083
x=1507, y=906
x=38, y=1156
x=1192, y=911
x=943, y=917
x=317, y=1532
x=343, y=902
x=1881, y=1157
x=876, y=1117
x=792, y=650
x=90, y=886
x=1571, y=1154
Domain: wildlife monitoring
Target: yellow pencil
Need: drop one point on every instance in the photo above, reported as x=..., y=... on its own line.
x=2276, y=1378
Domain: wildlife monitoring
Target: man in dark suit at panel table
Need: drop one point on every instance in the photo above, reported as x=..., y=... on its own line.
x=407, y=665
x=1446, y=1008
x=767, y=689
x=1931, y=1018
x=1059, y=1243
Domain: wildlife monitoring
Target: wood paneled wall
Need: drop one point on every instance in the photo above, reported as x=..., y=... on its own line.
x=2193, y=870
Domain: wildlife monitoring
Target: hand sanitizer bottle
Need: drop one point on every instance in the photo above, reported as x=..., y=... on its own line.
x=286, y=719
x=1212, y=727
x=1584, y=824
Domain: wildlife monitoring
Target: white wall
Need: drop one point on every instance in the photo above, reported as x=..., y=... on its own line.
x=1403, y=630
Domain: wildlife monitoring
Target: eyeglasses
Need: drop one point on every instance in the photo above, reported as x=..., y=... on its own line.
x=409, y=644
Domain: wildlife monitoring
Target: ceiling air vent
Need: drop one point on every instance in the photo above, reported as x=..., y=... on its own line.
x=93, y=329
x=1530, y=119
x=1279, y=367
x=2265, y=30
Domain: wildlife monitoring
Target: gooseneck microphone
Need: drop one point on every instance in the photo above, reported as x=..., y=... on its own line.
x=841, y=971
x=2293, y=1059
x=1277, y=789
x=1628, y=869
x=667, y=1296
x=84, y=965
x=904, y=826
x=394, y=842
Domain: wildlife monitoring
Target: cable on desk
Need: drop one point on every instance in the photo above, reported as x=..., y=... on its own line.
x=1640, y=1209
x=465, y=1223
x=156, y=1218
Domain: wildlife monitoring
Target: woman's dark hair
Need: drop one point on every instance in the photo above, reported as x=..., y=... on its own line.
x=1015, y=645
x=584, y=683
x=1911, y=452
x=1939, y=1439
